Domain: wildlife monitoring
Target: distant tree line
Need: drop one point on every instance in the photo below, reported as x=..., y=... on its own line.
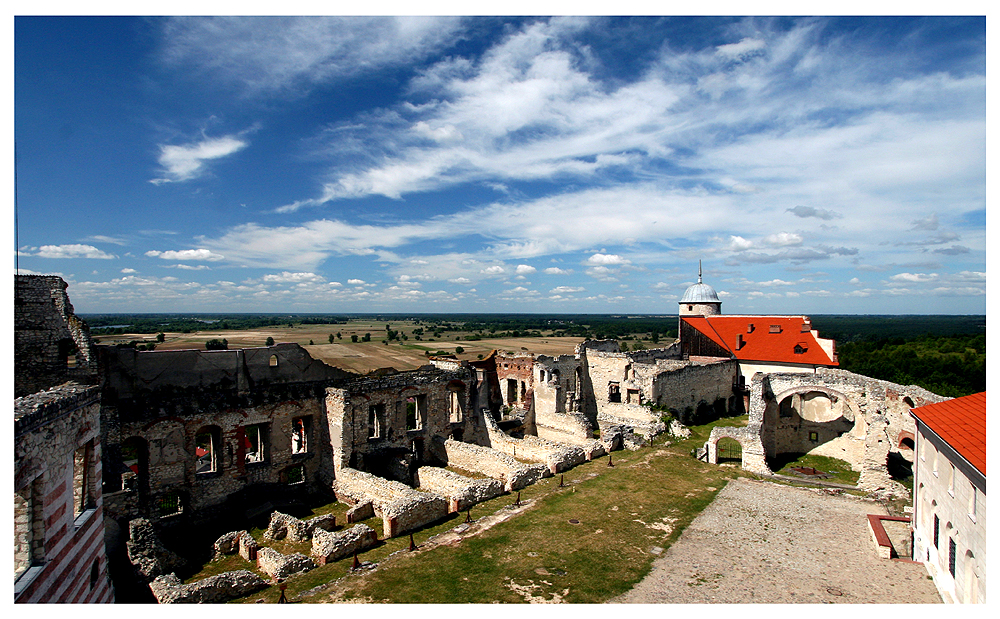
x=951, y=366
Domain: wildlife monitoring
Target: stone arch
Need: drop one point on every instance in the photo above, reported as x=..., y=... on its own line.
x=716, y=438
x=814, y=418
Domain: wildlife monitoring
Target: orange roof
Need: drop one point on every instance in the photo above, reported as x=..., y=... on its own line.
x=765, y=338
x=962, y=424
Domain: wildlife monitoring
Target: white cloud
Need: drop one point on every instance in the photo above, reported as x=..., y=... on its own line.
x=555, y=271
x=185, y=162
x=286, y=277
x=741, y=50
x=783, y=239
x=929, y=223
x=605, y=259
x=738, y=243
x=493, y=270
x=292, y=54
x=127, y=270
x=356, y=282
x=524, y=269
x=566, y=289
x=188, y=267
x=915, y=277
x=72, y=251
x=186, y=254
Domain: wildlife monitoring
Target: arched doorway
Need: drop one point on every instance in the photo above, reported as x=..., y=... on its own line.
x=728, y=450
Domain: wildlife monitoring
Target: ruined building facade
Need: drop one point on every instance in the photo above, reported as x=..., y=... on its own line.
x=176, y=437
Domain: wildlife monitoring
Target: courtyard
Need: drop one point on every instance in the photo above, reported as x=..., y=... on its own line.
x=761, y=542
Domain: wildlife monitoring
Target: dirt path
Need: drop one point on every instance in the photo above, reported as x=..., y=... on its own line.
x=761, y=542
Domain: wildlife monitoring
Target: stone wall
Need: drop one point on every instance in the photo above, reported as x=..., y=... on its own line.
x=689, y=386
x=514, y=373
x=382, y=424
x=557, y=457
x=59, y=553
x=213, y=590
x=513, y=473
x=831, y=412
x=51, y=345
x=401, y=508
x=172, y=464
x=558, y=406
x=462, y=492
x=328, y=547
x=278, y=565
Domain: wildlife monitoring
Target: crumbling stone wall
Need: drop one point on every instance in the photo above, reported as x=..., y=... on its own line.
x=171, y=464
x=48, y=336
x=514, y=373
x=687, y=386
x=558, y=457
x=401, y=508
x=409, y=409
x=169, y=589
x=328, y=547
x=513, y=473
x=278, y=565
x=59, y=553
x=148, y=555
x=557, y=413
x=862, y=423
x=462, y=492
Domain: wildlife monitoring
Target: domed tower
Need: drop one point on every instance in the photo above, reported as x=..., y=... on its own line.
x=700, y=299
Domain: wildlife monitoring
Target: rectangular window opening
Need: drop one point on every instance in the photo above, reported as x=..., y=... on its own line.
x=256, y=443
x=614, y=392
x=206, y=448
x=300, y=435
x=83, y=496
x=416, y=412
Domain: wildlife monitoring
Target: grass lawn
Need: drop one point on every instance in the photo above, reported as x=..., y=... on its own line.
x=586, y=542
x=622, y=513
x=840, y=471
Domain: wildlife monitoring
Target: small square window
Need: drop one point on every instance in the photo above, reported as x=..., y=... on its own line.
x=814, y=437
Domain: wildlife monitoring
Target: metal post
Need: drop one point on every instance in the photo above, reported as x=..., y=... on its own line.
x=610, y=463
x=357, y=563
x=518, y=501
x=412, y=545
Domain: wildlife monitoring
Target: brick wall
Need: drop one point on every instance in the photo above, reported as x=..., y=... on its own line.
x=59, y=519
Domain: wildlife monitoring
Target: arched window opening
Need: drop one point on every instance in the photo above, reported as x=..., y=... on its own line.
x=273, y=361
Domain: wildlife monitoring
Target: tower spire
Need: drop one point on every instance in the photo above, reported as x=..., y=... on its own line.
x=699, y=270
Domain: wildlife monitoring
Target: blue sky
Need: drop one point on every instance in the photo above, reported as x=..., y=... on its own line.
x=503, y=165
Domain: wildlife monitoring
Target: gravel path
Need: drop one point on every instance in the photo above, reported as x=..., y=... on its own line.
x=761, y=542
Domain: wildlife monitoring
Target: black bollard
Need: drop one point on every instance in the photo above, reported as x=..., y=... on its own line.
x=412, y=545
x=468, y=515
x=561, y=484
x=610, y=463
x=518, y=501
x=357, y=563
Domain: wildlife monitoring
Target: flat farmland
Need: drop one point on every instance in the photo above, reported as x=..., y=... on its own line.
x=361, y=356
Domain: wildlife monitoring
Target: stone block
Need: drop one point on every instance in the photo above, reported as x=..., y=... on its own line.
x=284, y=526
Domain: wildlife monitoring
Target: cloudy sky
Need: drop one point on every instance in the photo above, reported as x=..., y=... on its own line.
x=503, y=165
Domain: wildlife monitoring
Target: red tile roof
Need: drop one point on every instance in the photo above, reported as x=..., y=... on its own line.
x=962, y=424
x=765, y=338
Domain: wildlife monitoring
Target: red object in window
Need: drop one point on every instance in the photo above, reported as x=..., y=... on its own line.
x=198, y=451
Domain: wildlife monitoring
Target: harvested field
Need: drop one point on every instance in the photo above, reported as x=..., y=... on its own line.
x=360, y=356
